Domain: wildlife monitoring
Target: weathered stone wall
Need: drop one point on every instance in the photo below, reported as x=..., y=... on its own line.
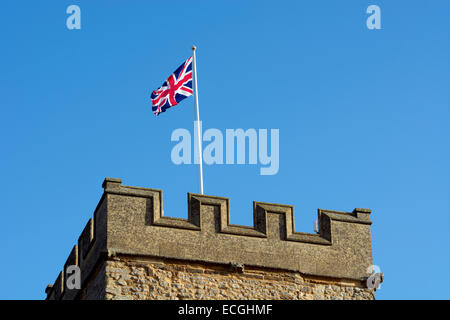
x=95, y=288
x=130, y=250
x=134, y=278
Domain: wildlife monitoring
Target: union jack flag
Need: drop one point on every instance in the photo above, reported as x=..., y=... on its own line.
x=176, y=88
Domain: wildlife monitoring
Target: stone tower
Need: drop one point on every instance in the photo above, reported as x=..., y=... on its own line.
x=130, y=250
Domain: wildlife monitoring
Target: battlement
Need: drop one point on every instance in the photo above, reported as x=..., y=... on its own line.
x=129, y=221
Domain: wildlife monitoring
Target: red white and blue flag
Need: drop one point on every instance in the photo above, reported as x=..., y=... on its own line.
x=176, y=88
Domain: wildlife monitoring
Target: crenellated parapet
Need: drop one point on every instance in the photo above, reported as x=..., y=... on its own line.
x=130, y=221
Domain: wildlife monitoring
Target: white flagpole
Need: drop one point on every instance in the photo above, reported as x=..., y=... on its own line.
x=198, y=120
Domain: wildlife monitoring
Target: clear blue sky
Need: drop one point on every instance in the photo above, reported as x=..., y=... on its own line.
x=363, y=118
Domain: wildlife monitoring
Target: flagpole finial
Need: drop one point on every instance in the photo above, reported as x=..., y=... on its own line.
x=194, y=47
